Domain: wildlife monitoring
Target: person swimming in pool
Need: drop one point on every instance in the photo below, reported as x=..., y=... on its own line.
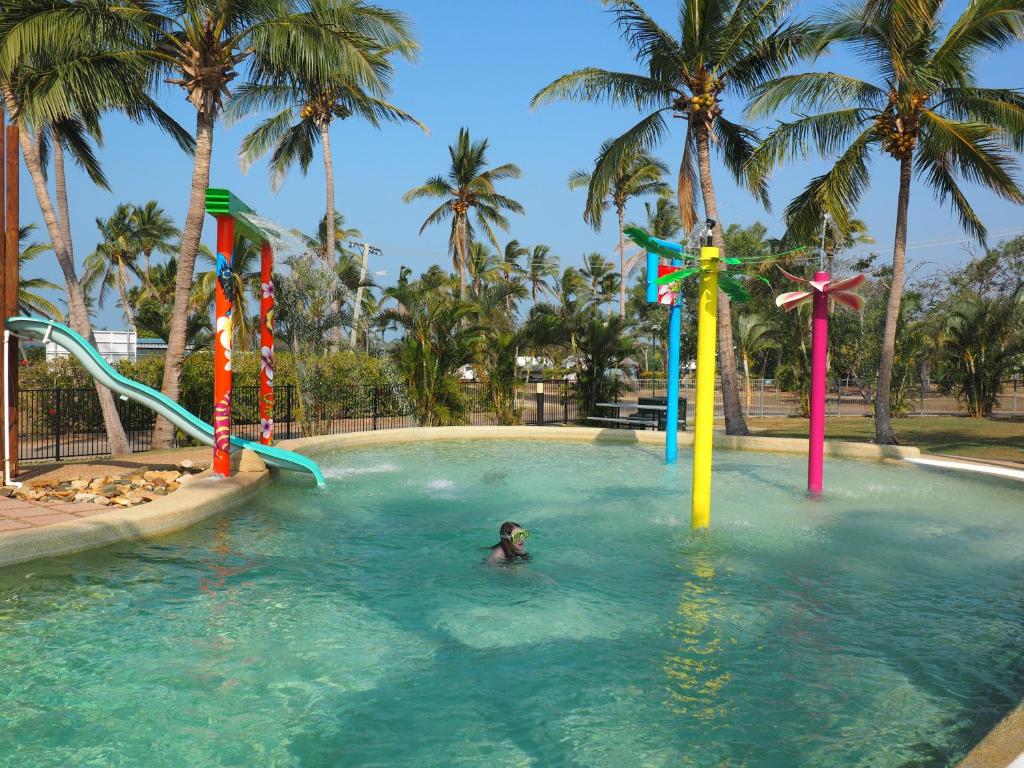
x=511, y=546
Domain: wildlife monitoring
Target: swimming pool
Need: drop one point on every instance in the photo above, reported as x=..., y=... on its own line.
x=881, y=625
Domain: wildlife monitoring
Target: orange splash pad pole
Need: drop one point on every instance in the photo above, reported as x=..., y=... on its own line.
x=222, y=348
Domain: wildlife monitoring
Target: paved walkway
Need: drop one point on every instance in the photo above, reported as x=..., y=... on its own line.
x=19, y=514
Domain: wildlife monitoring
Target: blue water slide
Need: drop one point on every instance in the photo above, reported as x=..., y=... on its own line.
x=184, y=420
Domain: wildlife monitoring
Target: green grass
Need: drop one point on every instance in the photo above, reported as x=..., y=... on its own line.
x=999, y=439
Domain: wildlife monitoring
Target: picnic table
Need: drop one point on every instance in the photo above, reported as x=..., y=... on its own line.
x=645, y=414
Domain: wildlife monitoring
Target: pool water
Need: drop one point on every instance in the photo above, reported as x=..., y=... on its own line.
x=880, y=626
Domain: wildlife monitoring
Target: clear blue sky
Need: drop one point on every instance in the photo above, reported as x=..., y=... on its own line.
x=481, y=63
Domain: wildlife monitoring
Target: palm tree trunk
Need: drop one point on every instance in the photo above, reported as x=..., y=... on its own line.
x=77, y=311
x=61, y=188
x=734, y=422
x=622, y=263
x=122, y=288
x=746, y=379
x=883, y=420
x=163, y=432
x=461, y=247
x=330, y=236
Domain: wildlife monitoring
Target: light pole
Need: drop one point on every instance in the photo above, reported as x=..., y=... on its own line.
x=367, y=250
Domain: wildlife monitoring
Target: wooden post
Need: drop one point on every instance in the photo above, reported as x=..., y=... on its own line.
x=266, y=344
x=12, y=275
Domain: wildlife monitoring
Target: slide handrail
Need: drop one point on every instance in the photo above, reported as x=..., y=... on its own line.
x=156, y=401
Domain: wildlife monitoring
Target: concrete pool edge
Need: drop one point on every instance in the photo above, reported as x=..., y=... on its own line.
x=834, y=448
x=203, y=497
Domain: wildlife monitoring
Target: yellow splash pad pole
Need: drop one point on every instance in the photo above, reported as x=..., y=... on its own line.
x=703, y=429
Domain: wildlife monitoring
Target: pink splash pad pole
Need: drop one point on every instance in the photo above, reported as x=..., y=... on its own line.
x=819, y=362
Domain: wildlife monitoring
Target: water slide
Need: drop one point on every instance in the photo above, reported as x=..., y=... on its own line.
x=101, y=370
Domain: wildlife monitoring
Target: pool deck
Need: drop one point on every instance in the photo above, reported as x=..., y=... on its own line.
x=32, y=529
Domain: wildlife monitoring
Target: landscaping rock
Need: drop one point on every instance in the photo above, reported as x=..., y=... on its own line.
x=79, y=484
x=85, y=497
x=101, y=500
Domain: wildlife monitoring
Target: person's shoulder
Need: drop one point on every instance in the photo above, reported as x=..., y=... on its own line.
x=497, y=556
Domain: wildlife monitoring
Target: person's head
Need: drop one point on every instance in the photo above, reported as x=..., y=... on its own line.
x=513, y=539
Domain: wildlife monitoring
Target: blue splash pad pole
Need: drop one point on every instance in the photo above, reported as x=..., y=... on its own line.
x=672, y=399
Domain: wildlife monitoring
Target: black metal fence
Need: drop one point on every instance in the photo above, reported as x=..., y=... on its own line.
x=56, y=424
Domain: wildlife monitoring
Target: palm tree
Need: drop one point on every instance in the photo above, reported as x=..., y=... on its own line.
x=513, y=272
x=754, y=336
x=154, y=232
x=923, y=109
x=116, y=256
x=62, y=65
x=663, y=219
x=561, y=320
x=202, y=46
x=469, y=184
x=483, y=266
x=29, y=301
x=600, y=274
x=341, y=236
x=306, y=109
x=438, y=340
x=637, y=175
x=722, y=46
x=541, y=265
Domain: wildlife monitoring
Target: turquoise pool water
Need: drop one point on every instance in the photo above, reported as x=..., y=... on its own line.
x=881, y=626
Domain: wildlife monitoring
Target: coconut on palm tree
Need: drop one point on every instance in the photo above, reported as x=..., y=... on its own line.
x=637, y=175
x=305, y=109
x=468, y=186
x=923, y=109
x=722, y=47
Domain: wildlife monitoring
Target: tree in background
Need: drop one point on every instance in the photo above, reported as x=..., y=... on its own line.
x=30, y=302
x=202, y=47
x=305, y=108
x=115, y=259
x=468, y=185
x=541, y=265
x=637, y=175
x=63, y=65
x=722, y=46
x=923, y=109
x=439, y=339
x=154, y=232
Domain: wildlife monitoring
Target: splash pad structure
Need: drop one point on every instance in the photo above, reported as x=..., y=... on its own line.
x=664, y=287
x=235, y=218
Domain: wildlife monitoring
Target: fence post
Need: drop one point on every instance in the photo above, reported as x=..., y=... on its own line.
x=373, y=404
x=288, y=409
x=540, y=402
x=565, y=402
x=56, y=423
x=760, y=399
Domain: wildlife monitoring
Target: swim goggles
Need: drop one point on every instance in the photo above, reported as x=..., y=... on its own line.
x=517, y=536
